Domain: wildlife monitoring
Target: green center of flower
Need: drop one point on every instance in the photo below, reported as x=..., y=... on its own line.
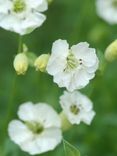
x=35, y=127
x=19, y=6
x=114, y=3
x=74, y=109
x=72, y=62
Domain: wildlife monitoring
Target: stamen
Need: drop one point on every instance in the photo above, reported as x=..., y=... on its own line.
x=72, y=62
x=35, y=127
x=19, y=6
x=74, y=109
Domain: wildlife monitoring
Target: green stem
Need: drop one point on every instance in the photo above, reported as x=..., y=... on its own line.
x=20, y=44
x=9, y=108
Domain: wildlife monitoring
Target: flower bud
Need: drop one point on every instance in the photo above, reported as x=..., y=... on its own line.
x=20, y=63
x=111, y=51
x=41, y=62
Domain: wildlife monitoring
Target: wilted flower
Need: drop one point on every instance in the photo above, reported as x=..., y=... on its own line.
x=41, y=62
x=77, y=107
x=111, y=51
x=72, y=68
x=107, y=9
x=21, y=63
x=40, y=130
x=22, y=16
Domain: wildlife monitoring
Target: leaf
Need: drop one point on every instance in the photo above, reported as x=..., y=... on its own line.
x=70, y=150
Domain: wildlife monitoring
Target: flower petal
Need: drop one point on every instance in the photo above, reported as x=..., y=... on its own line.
x=41, y=112
x=39, y=5
x=44, y=142
x=79, y=80
x=47, y=115
x=28, y=25
x=43, y=6
x=80, y=49
x=88, y=117
x=57, y=60
x=18, y=132
x=26, y=112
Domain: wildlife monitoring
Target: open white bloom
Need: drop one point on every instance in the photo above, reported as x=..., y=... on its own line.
x=39, y=131
x=72, y=68
x=77, y=107
x=22, y=16
x=107, y=9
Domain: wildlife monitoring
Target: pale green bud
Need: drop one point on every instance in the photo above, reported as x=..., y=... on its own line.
x=66, y=125
x=41, y=62
x=111, y=51
x=20, y=63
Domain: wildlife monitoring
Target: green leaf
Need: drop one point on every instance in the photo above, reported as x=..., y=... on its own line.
x=70, y=150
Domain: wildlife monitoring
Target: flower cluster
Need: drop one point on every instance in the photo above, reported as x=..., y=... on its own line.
x=72, y=68
x=39, y=128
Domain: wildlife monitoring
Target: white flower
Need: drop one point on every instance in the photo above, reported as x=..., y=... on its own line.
x=107, y=9
x=77, y=107
x=40, y=130
x=22, y=16
x=72, y=68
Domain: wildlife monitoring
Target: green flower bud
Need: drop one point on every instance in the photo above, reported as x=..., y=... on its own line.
x=20, y=63
x=111, y=51
x=41, y=62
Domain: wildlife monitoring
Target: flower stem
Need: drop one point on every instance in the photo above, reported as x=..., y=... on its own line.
x=10, y=107
x=20, y=44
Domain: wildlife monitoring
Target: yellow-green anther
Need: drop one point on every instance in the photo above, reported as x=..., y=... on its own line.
x=74, y=109
x=19, y=6
x=35, y=127
x=72, y=62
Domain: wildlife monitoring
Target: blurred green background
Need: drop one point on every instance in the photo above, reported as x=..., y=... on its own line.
x=74, y=20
